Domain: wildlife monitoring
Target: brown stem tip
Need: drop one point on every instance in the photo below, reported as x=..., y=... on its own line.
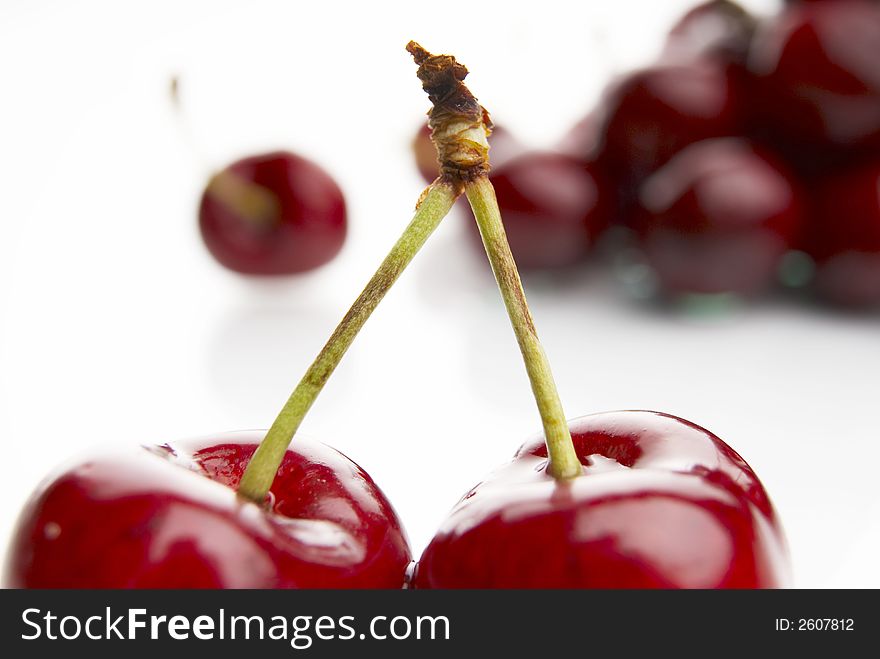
x=459, y=124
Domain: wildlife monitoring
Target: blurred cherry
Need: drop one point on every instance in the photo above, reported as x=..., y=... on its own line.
x=816, y=79
x=718, y=218
x=554, y=207
x=651, y=114
x=843, y=235
x=273, y=214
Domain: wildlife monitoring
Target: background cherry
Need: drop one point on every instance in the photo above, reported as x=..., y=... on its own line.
x=273, y=214
x=554, y=207
x=661, y=503
x=816, y=80
x=843, y=235
x=169, y=518
x=718, y=218
x=649, y=115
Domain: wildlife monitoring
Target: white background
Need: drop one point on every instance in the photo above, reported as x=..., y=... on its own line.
x=116, y=326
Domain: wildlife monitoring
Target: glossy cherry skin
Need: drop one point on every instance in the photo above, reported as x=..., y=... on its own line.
x=843, y=235
x=299, y=225
x=168, y=517
x=718, y=218
x=662, y=503
x=503, y=145
x=816, y=80
x=650, y=115
x=554, y=207
x=719, y=29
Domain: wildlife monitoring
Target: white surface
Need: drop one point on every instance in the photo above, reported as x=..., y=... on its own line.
x=117, y=326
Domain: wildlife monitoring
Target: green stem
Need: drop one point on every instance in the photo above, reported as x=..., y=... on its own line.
x=260, y=472
x=250, y=201
x=564, y=462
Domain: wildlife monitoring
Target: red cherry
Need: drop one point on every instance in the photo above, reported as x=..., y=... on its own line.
x=168, y=517
x=843, y=235
x=554, y=207
x=273, y=214
x=652, y=114
x=502, y=142
x=718, y=218
x=816, y=77
x=719, y=29
x=662, y=503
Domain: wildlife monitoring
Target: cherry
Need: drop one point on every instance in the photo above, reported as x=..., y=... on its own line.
x=718, y=218
x=719, y=29
x=504, y=146
x=554, y=207
x=650, y=115
x=273, y=214
x=843, y=235
x=662, y=503
x=816, y=83
x=168, y=517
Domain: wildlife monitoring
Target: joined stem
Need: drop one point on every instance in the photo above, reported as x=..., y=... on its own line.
x=261, y=470
x=564, y=462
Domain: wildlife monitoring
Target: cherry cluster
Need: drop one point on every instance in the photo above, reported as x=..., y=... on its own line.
x=747, y=156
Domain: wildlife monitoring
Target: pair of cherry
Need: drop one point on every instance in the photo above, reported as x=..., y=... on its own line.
x=624, y=499
x=662, y=503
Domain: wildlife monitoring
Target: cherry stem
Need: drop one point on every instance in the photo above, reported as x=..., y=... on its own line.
x=564, y=462
x=246, y=199
x=260, y=472
x=459, y=128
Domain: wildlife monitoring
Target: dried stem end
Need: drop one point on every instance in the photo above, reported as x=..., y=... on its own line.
x=459, y=125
